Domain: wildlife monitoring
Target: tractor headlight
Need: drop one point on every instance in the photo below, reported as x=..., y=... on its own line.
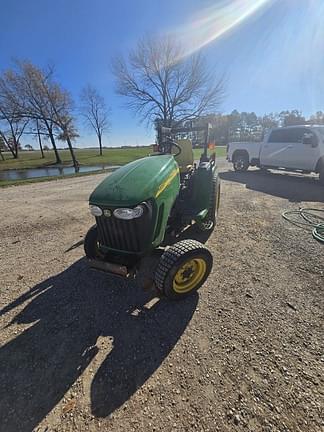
x=129, y=213
x=95, y=210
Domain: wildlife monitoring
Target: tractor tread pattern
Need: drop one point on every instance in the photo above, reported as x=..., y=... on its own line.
x=211, y=215
x=212, y=200
x=171, y=256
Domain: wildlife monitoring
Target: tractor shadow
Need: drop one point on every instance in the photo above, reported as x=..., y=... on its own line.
x=66, y=314
x=293, y=187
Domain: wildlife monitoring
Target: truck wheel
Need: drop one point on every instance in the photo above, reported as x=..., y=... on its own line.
x=183, y=268
x=91, y=244
x=241, y=162
x=321, y=177
x=208, y=224
x=264, y=170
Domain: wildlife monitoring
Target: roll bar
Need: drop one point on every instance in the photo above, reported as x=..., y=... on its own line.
x=166, y=141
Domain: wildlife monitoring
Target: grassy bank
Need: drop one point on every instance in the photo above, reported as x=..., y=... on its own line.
x=5, y=183
x=32, y=159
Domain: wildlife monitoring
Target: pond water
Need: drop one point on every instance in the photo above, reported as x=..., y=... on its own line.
x=29, y=173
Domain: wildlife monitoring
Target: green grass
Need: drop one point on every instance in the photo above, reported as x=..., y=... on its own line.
x=220, y=152
x=32, y=159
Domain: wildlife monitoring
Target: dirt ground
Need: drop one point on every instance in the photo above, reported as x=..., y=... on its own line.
x=82, y=351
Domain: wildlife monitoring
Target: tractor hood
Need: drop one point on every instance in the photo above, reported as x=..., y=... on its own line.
x=136, y=182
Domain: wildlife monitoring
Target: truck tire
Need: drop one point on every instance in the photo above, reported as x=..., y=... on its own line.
x=264, y=170
x=241, y=161
x=182, y=269
x=208, y=224
x=91, y=244
x=321, y=176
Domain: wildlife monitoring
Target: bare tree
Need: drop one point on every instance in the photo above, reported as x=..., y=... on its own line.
x=22, y=89
x=61, y=106
x=96, y=114
x=69, y=133
x=3, y=147
x=36, y=96
x=38, y=131
x=13, y=127
x=163, y=86
x=51, y=135
x=47, y=130
x=317, y=118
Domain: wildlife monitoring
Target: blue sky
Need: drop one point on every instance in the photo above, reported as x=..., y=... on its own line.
x=273, y=60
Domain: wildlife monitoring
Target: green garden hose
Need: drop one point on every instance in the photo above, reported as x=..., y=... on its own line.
x=308, y=217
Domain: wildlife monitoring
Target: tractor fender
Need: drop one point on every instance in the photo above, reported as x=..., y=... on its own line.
x=202, y=186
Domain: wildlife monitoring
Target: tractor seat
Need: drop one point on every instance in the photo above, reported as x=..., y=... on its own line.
x=185, y=159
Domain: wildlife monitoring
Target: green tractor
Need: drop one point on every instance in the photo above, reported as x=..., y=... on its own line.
x=146, y=206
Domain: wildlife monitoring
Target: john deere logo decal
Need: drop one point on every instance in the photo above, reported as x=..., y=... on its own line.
x=107, y=212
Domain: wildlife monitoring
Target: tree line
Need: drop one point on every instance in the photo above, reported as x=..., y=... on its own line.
x=33, y=102
x=248, y=126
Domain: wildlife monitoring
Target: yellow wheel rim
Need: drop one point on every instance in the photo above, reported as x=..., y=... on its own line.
x=189, y=275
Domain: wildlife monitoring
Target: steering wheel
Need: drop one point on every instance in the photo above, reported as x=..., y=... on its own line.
x=166, y=146
x=173, y=143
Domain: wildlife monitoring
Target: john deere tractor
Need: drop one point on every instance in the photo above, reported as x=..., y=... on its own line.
x=147, y=205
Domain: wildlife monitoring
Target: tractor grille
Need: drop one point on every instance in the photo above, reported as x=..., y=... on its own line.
x=125, y=235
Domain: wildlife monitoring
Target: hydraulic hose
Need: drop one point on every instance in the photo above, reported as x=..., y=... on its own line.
x=307, y=217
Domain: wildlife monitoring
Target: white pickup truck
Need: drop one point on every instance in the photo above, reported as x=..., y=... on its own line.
x=292, y=148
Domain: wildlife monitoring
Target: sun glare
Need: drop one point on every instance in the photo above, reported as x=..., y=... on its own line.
x=217, y=20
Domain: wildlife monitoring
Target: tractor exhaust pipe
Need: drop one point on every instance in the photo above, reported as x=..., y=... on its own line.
x=109, y=267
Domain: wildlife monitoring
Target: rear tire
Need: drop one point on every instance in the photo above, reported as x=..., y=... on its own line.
x=208, y=224
x=91, y=244
x=183, y=268
x=241, y=162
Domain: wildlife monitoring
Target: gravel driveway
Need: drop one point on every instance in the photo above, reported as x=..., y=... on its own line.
x=84, y=351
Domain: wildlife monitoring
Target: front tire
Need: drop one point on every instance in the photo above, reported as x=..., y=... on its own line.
x=92, y=244
x=241, y=162
x=183, y=268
